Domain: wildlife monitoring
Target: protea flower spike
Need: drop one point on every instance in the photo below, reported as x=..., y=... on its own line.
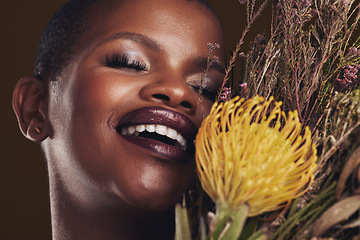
x=251, y=152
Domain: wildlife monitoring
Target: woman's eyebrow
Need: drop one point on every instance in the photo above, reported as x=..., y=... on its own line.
x=203, y=62
x=136, y=37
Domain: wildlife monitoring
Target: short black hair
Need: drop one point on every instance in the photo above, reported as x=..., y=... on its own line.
x=64, y=33
x=60, y=36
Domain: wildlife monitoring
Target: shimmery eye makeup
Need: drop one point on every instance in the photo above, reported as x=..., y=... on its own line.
x=206, y=91
x=208, y=87
x=124, y=61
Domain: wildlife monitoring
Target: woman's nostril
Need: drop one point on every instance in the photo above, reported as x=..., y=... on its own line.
x=185, y=104
x=161, y=97
x=171, y=101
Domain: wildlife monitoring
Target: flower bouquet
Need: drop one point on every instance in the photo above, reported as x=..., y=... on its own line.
x=279, y=154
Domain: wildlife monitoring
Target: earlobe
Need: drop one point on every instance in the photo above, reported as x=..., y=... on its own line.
x=30, y=106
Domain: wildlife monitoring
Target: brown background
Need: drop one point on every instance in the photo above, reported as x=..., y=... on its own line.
x=24, y=200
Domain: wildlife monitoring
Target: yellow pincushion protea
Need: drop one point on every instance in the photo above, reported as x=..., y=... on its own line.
x=247, y=154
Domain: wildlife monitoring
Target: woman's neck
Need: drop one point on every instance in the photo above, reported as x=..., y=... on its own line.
x=75, y=225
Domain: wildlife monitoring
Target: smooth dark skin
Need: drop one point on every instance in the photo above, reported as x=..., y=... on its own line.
x=101, y=186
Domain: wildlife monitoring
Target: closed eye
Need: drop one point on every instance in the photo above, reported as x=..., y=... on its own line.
x=206, y=91
x=123, y=61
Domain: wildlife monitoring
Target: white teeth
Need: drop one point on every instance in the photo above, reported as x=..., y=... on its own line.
x=150, y=128
x=131, y=130
x=181, y=140
x=171, y=133
x=159, y=129
x=140, y=128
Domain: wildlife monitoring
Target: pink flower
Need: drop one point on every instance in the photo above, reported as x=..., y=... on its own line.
x=243, y=86
x=215, y=59
x=347, y=78
x=242, y=54
x=350, y=73
x=226, y=94
x=346, y=2
x=304, y=3
x=354, y=52
x=213, y=46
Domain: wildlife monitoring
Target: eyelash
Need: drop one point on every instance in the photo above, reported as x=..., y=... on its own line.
x=206, y=92
x=123, y=61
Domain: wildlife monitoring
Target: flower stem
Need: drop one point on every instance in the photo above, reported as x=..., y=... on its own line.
x=230, y=222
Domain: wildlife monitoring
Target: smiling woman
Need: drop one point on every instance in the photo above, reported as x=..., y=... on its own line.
x=117, y=111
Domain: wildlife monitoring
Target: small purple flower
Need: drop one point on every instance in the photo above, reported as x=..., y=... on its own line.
x=215, y=59
x=304, y=3
x=226, y=94
x=242, y=54
x=242, y=1
x=213, y=46
x=243, y=86
x=354, y=52
x=347, y=78
x=346, y=2
x=350, y=73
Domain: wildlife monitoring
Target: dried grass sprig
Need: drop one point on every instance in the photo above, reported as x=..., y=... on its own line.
x=302, y=56
x=251, y=17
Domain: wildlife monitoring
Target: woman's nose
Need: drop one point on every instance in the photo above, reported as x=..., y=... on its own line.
x=172, y=92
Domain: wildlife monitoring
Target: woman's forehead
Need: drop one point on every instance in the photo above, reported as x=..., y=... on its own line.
x=169, y=16
x=136, y=8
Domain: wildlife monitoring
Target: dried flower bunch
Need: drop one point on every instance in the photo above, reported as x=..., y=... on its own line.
x=310, y=62
x=308, y=55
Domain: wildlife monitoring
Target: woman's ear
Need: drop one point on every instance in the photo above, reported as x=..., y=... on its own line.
x=30, y=106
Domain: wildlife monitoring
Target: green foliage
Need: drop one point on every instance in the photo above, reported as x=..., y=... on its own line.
x=182, y=223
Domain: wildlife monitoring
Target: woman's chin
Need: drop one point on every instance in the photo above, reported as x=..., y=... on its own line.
x=159, y=197
x=155, y=200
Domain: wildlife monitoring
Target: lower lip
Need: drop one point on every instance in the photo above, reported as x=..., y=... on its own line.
x=160, y=148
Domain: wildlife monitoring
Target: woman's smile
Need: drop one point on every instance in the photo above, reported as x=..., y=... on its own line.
x=160, y=130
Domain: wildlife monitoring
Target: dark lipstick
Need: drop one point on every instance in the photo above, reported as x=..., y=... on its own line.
x=160, y=144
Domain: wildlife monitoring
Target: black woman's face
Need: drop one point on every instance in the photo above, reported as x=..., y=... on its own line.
x=127, y=110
